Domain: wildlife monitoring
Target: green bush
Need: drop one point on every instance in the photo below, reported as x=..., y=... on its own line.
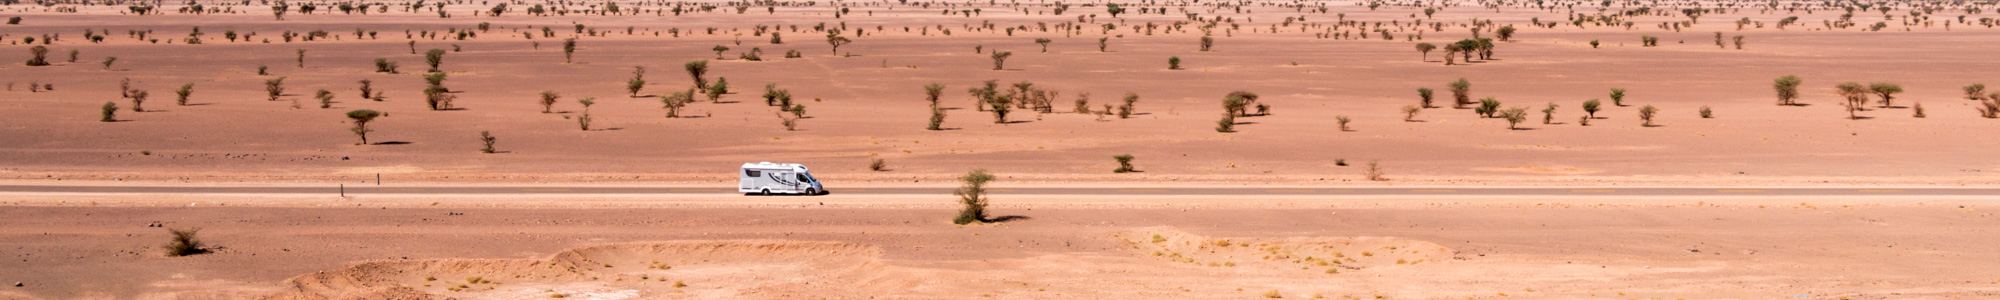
x=1646, y=113
x=109, y=112
x=1461, y=93
x=361, y=117
x=1590, y=107
x=486, y=137
x=1124, y=163
x=973, y=195
x=434, y=58
x=183, y=93
x=548, y=100
x=1487, y=107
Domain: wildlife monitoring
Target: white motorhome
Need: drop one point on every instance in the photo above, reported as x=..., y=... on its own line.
x=765, y=178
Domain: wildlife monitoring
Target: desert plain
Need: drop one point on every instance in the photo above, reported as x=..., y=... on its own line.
x=1688, y=95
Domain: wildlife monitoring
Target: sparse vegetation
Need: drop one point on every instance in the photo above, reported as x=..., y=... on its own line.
x=433, y=58
x=1487, y=107
x=1975, y=91
x=1646, y=113
x=1707, y=113
x=637, y=82
x=138, y=98
x=325, y=98
x=107, y=61
x=1374, y=171
x=109, y=112
x=696, y=69
x=1174, y=63
x=181, y=95
x=1855, y=95
x=1590, y=107
x=876, y=165
x=1461, y=93
x=1045, y=44
x=1343, y=122
x=274, y=87
x=569, y=50
x=1618, y=96
x=548, y=100
x=973, y=195
x=1410, y=113
x=486, y=137
x=384, y=65
x=1549, y=114
x=40, y=54
x=583, y=120
x=1131, y=105
x=1000, y=59
x=674, y=102
x=1887, y=91
x=1426, y=48
x=1514, y=116
x=1424, y=94
x=1124, y=163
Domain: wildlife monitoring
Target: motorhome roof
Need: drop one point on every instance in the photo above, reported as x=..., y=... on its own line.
x=769, y=165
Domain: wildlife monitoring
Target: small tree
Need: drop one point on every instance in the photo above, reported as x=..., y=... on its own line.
x=696, y=69
x=937, y=118
x=973, y=195
x=1461, y=93
x=1514, y=116
x=1102, y=42
x=325, y=98
x=718, y=51
x=41, y=55
x=1505, y=32
x=1206, y=42
x=1000, y=59
x=433, y=58
x=1975, y=91
x=1739, y=42
x=638, y=81
x=569, y=50
x=1124, y=163
x=384, y=65
x=183, y=93
x=1426, y=48
x=486, y=137
x=1856, y=96
x=676, y=101
x=1174, y=63
x=1045, y=44
x=274, y=87
x=836, y=41
x=1618, y=96
x=1410, y=113
x=108, y=112
x=1424, y=94
x=1886, y=90
x=138, y=98
x=932, y=92
x=1343, y=122
x=548, y=100
x=1788, y=89
x=1227, y=124
x=361, y=118
x=715, y=91
x=584, y=119
x=1646, y=113
x=1131, y=105
x=1590, y=107
x=108, y=60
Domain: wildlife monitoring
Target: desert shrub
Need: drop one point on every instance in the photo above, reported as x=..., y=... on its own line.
x=486, y=137
x=384, y=65
x=1618, y=96
x=718, y=51
x=932, y=92
x=1045, y=44
x=361, y=117
x=1124, y=163
x=1410, y=113
x=1918, y=109
x=1590, y=107
x=1424, y=95
x=1739, y=42
x=109, y=112
x=1102, y=42
x=973, y=195
x=1487, y=107
x=1646, y=113
x=772, y=95
x=1707, y=113
x=1174, y=63
x=638, y=81
x=40, y=54
x=569, y=49
x=302, y=58
x=1975, y=91
x=1549, y=114
x=108, y=60
x=274, y=87
x=183, y=242
x=937, y=118
x=1514, y=116
x=1426, y=48
x=1461, y=93
x=675, y=101
x=1593, y=44
x=1990, y=108
x=877, y=165
x=715, y=91
x=797, y=110
x=1131, y=105
x=263, y=70
x=1788, y=89
x=548, y=100
x=1000, y=59
x=433, y=58
x=794, y=54
x=583, y=120
x=138, y=98
x=696, y=69
x=1856, y=95
x=1000, y=105
x=1886, y=90
x=1505, y=32
x=73, y=52
x=325, y=98
x=368, y=89
x=790, y=123
x=1343, y=122
x=1374, y=171
x=1236, y=103
x=181, y=95
x=1206, y=42
x=1227, y=124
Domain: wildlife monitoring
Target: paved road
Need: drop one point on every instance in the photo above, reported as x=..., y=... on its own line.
x=1168, y=191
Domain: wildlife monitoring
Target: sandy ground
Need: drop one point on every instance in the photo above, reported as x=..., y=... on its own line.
x=865, y=101
x=1088, y=248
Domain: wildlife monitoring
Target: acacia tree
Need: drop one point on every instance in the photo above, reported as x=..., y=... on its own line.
x=1788, y=89
x=1045, y=44
x=676, y=101
x=973, y=196
x=1590, y=107
x=836, y=40
x=1856, y=96
x=1461, y=93
x=1886, y=90
x=1424, y=94
x=1426, y=48
x=361, y=118
x=1000, y=59
x=569, y=50
x=548, y=100
x=41, y=56
x=696, y=69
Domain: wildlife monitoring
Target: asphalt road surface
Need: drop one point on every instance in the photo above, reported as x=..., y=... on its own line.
x=1154, y=191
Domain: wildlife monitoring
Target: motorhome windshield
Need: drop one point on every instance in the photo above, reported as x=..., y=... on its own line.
x=807, y=177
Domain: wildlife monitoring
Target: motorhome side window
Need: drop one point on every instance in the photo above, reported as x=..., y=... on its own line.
x=753, y=173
